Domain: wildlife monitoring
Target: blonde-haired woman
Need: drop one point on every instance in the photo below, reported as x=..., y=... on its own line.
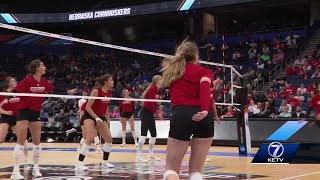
x=147, y=119
x=189, y=86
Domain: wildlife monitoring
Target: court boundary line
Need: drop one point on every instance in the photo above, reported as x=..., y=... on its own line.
x=302, y=175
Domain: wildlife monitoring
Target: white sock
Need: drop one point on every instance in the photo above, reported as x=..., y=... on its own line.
x=134, y=137
x=25, y=149
x=195, y=176
x=152, y=142
x=96, y=140
x=82, y=141
x=17, y=156
x=36, y=155
x=83, y=152
x=124, y=137
x=141, y=142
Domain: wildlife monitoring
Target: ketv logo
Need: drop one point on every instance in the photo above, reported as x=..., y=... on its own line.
x=275, y=150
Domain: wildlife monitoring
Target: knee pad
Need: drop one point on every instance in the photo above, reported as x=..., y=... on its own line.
x=142, y=139
x=107, y=147
x=168, y=173
x=37, y=150
x=195, y=176
x=152, y=140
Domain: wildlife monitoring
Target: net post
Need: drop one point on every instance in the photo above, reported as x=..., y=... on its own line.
x=244, y=139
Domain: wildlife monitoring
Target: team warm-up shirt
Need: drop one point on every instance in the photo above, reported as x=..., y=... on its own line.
x=152, y=93
x=12, y=105
x=186, y=90
x=127, y=106
x=30, y=85
x=100, y=106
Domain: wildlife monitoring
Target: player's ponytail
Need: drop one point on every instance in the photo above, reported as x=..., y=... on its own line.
x=174, y=70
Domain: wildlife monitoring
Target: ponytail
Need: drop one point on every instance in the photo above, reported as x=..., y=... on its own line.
x=174, y=70
x=154, y=81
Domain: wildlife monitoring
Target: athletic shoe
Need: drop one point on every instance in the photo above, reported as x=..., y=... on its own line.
x=36, y=172
x=81, y=168
x=123, y=145
x=136, y=144
x=106, y=165
x=16, y=175
x=207, y=159
x=140, y=159
x=99, y=149
x=153, y=158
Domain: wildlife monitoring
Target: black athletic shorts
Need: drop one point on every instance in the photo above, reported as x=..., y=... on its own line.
x=182, y=127
x=148, y=123
x=11, y=120
x=28, y=114
x=126, y=115
x=88, y=116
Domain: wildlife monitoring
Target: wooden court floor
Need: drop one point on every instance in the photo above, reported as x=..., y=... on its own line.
x=58, y=160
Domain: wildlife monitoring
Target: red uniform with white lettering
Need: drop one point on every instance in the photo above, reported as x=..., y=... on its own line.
x=100, y=106
x=152, y=93
x=127, y=106
x=186, y=90
x=315, y=103
x=12, y=105
x=30, y=85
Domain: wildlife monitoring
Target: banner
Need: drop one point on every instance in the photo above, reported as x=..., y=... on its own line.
x=154, y=8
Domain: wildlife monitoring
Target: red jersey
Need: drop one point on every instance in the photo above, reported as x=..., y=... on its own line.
x=127, y=106
x=315, y=103
x=83, y=106
x=152, y=93
x=293, y=102
x=186, y=90
x=12, y=105
x=30, y=85
x=310, y=89
x=100, y=106
x=289, y=90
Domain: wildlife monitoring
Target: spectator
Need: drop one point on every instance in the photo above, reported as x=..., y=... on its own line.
x=44, y=116
x=299, y=97
x=285, y=113
x=298, y=113
x=252, y=52
x=299, y=62
x=312, y=93
x=252, y=106
x=81, y=101
x=115, y=113
x=316, y=74
x=268, y=111
x=289, y=89
x=48, y=106
x=236, y=56
x=271, y=93
x=265, y=58
x=260, y=65
x=224, y=46
x=312, y=87
x=265, y=49
x=166, y=95
x=230, y=113
x=302, y=89
x=62, y=116
x=129, y=88
x=293, y=101
x=160, y=113
x=145, y=85
x=291, y=41
x=278, y=57
x=256, y=97
x=285, y=105
x=257, y=110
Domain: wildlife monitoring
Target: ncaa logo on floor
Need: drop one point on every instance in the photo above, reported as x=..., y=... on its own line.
x=275, y=150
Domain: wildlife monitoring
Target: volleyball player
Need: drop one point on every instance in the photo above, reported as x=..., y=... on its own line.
x=96, y=140
x=127, y=110
x=213, y=107
x=147, y=119
x=95, y=120
x=315, y=106
x=189, y=85
x=29, y=115
x=9, y=110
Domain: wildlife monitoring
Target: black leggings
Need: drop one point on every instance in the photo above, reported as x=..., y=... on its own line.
x=148, y=123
